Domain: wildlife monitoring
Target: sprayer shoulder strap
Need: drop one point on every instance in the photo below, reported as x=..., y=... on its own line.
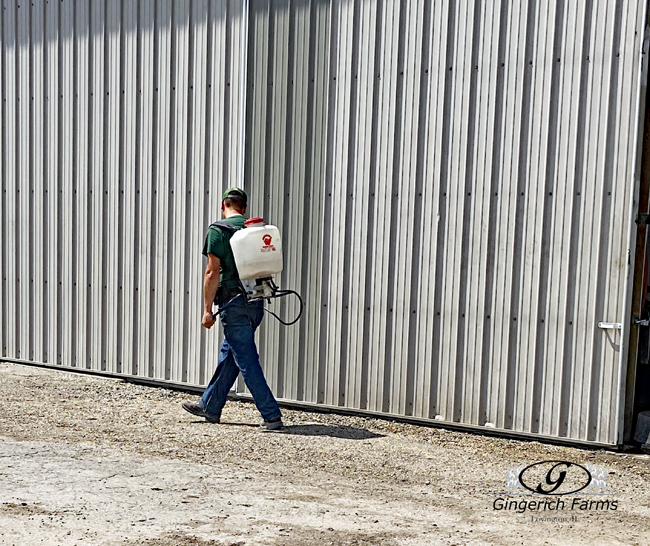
x=227, y=226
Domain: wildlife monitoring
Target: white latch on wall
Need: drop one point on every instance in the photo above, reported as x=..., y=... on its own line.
x=610, y=325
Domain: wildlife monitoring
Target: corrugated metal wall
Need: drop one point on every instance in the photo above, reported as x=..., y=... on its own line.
x=453, y=181
x=121, y=122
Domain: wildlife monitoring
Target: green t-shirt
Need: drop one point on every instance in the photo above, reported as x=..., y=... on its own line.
x=217, y=242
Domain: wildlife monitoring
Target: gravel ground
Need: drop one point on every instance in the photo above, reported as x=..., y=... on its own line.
x=89, y=460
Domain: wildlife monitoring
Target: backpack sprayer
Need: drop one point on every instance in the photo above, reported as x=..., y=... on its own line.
x=257, y=249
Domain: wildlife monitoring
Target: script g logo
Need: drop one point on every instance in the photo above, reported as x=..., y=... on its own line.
x=555, y=478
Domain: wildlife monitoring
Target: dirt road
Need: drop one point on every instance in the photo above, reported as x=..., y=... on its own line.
x=94, y=461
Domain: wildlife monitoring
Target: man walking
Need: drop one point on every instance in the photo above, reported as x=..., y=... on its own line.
x=239, y=317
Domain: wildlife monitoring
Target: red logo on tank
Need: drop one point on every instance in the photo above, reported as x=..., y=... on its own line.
x=268, y=247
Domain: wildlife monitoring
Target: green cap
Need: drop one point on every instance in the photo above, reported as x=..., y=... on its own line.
x=236, y=192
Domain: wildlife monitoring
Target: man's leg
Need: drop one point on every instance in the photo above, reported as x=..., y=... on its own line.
x=239, y=324
x=214, y=397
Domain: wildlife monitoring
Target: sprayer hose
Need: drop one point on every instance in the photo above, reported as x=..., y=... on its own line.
x=281, y=294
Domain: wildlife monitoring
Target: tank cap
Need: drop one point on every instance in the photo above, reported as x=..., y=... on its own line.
x=254, y=221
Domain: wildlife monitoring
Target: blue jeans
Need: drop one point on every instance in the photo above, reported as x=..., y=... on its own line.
x=238, y=353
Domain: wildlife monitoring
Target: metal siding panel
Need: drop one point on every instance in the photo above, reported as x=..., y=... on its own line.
x=143, y=365
x=111, y=243
x=96, y=184
x=456, y=198
x=295, y=190
x=624, y=129
x=548, y=58
x=275, y=183
x=438, y=153
x=619, y=139
x=341, y=50
x=483, y=63
x=584, y=276
x=177, y=193
x=408, y=76
x=236, y=28
x=583, y=211
x=51, y=299
x=37, y=32
x=216, y=151
x=23, y=162
x=10, y=129
x=129, y=186
x=361, y=185
x=292, y=232
x=425, y=309
x=3, y=197
x=561, y=289
x=82, y=139
x=312, y=280
x=602, y=66
x=258, y=89
x=3, y=177
x=508, y=204
x=195, y=193
x=596, y=196
x=602, y=422
x=342, y=135
x=159, y=240
x=66, y=173
x=378, y=396
x=433, y=227
x=284, y=193
x=540, y=66
x=482, y=196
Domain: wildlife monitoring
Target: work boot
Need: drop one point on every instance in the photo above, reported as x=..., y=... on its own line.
x=196, y=409
x=271, y=424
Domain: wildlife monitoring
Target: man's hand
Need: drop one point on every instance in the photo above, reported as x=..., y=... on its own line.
x=208, y=320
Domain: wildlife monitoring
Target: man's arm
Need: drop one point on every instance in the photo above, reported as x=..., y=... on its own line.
x=210, y=285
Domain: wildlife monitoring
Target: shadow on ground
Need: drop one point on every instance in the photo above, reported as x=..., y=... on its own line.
x=315, y=429
x=350, y=433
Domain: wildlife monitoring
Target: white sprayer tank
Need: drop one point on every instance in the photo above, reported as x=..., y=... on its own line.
x=257, y=250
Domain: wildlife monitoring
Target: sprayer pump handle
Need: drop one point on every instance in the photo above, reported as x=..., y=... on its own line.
x=254, y=221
